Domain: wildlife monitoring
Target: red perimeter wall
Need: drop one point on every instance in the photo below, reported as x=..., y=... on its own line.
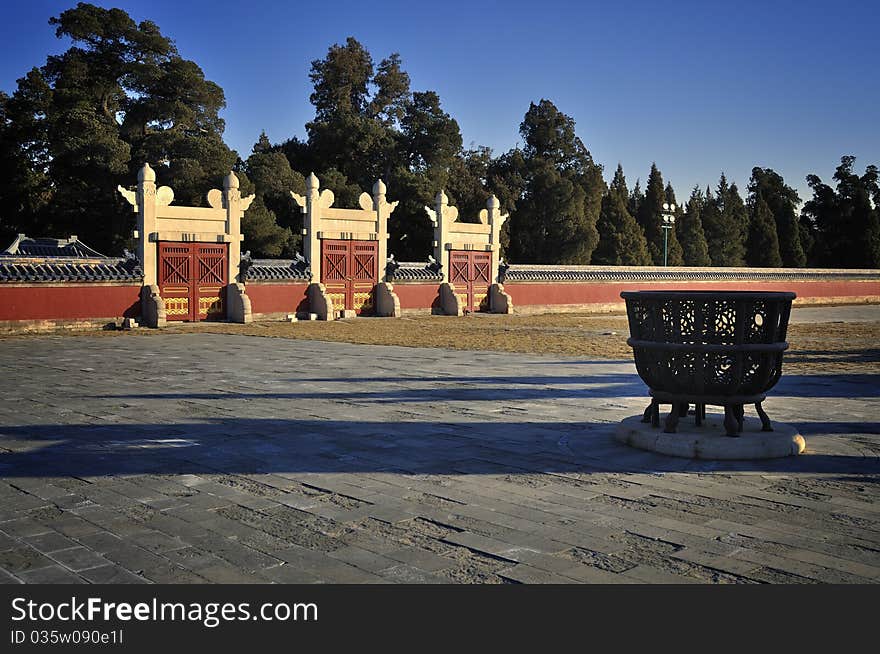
x=277, y=298
x=418, y=296
x=544, y=294
x=69, y=301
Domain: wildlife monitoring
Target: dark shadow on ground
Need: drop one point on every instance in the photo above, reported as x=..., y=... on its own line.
x=246, y=446
x=450, y=389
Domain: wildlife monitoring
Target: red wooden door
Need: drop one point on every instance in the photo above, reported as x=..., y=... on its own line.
x=211, y=279
x=470, y=273
x=192, y=277
x=349, y=271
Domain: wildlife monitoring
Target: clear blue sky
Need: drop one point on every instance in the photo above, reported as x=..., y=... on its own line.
x=698, y=87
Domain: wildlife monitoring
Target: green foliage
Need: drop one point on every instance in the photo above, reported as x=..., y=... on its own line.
x=369, y=125
x=763, y=243
x=262, y=234
x=86, y=121
x=649, y=219
x=561, y=193
x=782, y=200
x=725, y=222
x=689, y=229
x=273, y=224
x=621, y=241
x=635, y=199
x=844, y=222
x=467, y=183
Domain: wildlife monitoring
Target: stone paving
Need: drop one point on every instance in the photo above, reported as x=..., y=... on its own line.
x=216, y=458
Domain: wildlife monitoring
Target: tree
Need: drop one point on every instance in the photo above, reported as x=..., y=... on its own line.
x=274, y=223
x=369, y=125
x=689, y=229
x=845, y=221
x=763, y=243
x=725, y=221
x=621, y=241
x=554, y=220
x=353, y=129
x=782, y=200
x=635, y=199
x=649, y=218
x=118, y=97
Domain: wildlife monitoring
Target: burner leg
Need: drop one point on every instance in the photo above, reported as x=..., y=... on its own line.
x=765, y=421
x=649, y=412
x=731, y=424
x=672, y=418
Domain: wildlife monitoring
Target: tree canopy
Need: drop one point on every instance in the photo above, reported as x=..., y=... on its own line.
x=89, y=118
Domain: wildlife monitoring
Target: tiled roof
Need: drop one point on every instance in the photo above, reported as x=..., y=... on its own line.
x=536, y=273
x=416, y=271
x=69, y=269
x=64, y=260
x=24, y=246
x=269, y=270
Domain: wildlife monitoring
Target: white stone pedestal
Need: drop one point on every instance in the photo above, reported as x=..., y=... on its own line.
x=709, y=441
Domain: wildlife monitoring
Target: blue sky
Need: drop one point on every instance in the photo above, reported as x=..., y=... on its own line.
x=698, y=87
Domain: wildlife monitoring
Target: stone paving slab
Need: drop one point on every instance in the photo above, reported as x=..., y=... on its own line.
x=192, y=458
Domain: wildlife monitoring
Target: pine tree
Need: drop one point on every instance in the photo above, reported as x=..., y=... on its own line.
x=846, y=220
x=690, y=232
x=273, y=225
x=85, y=122
x=762, y=244
x=725, y=221
x=649, y=219
x=783, y=202
x=554, y=220
x=621, y=241
x=635, y=199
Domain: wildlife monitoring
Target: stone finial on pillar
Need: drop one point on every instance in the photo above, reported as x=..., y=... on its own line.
x=312, y=183
x=146, y=174
x=230, y=181
x=379, y=192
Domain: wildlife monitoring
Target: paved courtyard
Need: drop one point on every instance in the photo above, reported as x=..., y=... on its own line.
x=222, y=458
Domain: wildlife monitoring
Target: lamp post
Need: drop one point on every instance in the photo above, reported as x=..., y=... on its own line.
x=667, y=216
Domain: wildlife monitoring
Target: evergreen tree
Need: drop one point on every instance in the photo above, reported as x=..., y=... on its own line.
x=555, y=217
x=763, y=244
x=353, y=128
x=467, y=185
x=621, y=241
x=649, y=218
x=690, y=232
x=118, y=97
x=846, y=222
x=369, y=125
x=273, y=225
x=783, y=202
x=635, y=199
x=725, y=221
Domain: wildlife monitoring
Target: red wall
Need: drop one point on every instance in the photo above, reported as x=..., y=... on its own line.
x=68, y=302
x=609, y=292
x=418, y=296
x=277, y=298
